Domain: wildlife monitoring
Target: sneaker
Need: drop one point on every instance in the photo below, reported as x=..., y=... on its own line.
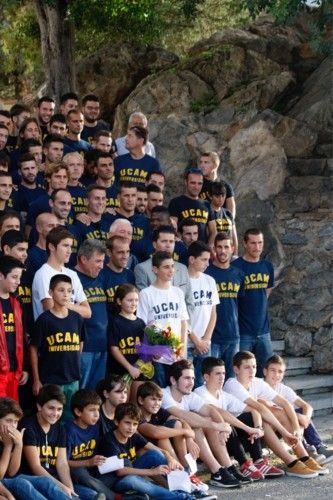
x=223, y=479
x=100, y=496
x=299, y=469
x=198, y=485
x=268, y=470
x=323, y=450
x=204, y=496
x=240, y=477
x=313, y=465
x=313, y=453
x=248, y=469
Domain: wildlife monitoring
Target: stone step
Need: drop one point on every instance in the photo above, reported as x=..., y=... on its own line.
x=321, y=403
x=298, y=366
x=278, y=346
x=310, y=383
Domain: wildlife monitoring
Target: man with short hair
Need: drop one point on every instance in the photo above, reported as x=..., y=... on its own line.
x=116, y=272
x=157, y=179
x=75, y=166
x=164, y=239
x=230, y=288
x=45, y=109
x=102, y=141
x=189, y=206
x=58, y=246
x=27, y=191
x=154, y=198
x=6, y=188
x=19, y=113
x=73, y=141
x=123, y=228
x=53, y=148
x=136, y=164
x=105, y=178
x=136, y=119
x=4, y=134
x=91, y=110
x=57, y=125
x=9, y=220
x=258, y=273
x=37, y=254
x=209, y=164
x=142, y=200
x=68, y=101
x=188, y=230
x=90, y=261
x=5, y=118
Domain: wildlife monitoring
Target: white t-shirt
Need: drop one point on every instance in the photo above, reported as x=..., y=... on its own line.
x=225, y=401
x=205, y=296
x=163, y=307
x=286, y=392
x=189, y=402
x=41, y=287
x=258, y=389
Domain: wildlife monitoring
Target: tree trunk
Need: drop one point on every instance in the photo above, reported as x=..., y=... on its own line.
x=57, y=41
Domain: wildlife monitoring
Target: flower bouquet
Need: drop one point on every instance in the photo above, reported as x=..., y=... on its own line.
x=156, y=343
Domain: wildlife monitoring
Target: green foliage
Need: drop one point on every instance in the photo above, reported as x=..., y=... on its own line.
x=205, y=104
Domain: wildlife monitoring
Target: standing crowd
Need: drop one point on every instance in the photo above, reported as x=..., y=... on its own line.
x=91, y=254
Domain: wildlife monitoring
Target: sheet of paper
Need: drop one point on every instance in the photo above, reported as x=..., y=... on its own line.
x=192, y=463
x=111, y=464
x=179, y=480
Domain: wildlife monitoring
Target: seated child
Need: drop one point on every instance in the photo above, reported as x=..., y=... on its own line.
x=255, y=392
x=22, y=486
x=57, y=342
x=160, y=426
x=44, y=444
x=112, y=390
x=125, y=442
x=274, y=373
x=82, y=440
x=245, y=437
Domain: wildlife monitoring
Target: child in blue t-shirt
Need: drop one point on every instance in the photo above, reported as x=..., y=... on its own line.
x=57, y=342
x=82, y=440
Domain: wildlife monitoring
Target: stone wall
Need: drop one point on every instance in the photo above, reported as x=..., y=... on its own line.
x=262, y=99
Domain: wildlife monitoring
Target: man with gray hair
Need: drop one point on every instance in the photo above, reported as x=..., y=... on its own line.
x=136, y=119
x=90, y=262
x=123, y=228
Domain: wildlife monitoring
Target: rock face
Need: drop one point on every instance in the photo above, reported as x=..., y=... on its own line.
x=262, y=100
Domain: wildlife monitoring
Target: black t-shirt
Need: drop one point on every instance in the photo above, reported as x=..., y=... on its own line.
x=58, y=342
x=110, y=446
x=159, y=419
x=125, y=334
x=106, y=424
x=24, y=294
x=47, y=444
x=224, y=220
x=184, y=207
x=9, y=324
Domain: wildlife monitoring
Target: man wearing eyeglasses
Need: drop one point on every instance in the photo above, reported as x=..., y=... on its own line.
x=190, y=206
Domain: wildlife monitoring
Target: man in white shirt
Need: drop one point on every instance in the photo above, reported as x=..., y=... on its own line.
x=203, y=314
x=274, y=373
x=136, y=119
x=254, y=392
x=246, y=422
x=58, y=246
x=163, y=304
x=211, y=432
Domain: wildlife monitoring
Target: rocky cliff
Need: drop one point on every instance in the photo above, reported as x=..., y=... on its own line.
x=262, y=99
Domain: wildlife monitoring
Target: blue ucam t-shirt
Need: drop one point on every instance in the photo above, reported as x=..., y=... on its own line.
x=252, y=307
x=184, y=207
x=81, y=443
x=78, y=146
x=79, y=199
x=111, y=280
x=97, y=326
x=129, y=169
x=230, y=286
x=141, y=231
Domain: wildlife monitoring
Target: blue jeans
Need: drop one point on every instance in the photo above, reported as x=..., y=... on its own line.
x=93, y=369
x=226, y=351
x=81, y=475
x=152, y=458
x=25, y=487
x=161, y=374
x=84, y=492
x=197, y=360
x=260, y=346
x=310, y=434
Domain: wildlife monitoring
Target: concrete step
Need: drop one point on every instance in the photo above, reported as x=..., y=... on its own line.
x=321, y=403
x=310, y=383
x=278, y=346
x=298, y=366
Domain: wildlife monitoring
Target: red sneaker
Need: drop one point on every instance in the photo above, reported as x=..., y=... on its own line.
x=268, y=470
x=248, y=469
x=198, y=484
